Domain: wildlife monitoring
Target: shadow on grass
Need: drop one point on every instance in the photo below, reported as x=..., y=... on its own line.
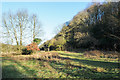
x=10, y=71
x=94, y=63
x=31, y=73
x=81, y=72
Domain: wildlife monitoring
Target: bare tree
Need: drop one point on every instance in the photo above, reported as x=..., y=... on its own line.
x=8, y=30
x=22, y=18
x=19, y=29
x=13, y=27
x=36, y=27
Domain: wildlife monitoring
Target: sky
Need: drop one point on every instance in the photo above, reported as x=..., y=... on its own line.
x=50, y=14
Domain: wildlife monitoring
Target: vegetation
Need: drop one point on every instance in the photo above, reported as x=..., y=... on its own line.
x=37, y=40
x=86, y=48
x=97, y=27
x=32, y=48
x=7, y=48
x=66, y=65
x=19, y=27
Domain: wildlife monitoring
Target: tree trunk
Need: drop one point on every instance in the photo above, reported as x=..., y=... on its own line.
x=34, y=31
x=59, y=47
x=20, y=34
x=8, y=31
x=34, y=26
x=48, y=49
x=15, y=33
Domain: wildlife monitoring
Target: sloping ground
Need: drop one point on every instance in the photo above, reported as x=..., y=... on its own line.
x=67, y=65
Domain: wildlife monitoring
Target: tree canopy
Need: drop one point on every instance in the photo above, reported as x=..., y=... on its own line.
x=97, y=27
x=37, y=40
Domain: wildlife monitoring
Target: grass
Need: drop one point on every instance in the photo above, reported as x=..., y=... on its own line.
x=80, y=56
x=67, y=65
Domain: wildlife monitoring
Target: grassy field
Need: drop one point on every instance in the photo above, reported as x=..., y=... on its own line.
x=67, y=65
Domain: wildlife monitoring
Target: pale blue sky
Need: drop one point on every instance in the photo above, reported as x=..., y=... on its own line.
x=50, y=14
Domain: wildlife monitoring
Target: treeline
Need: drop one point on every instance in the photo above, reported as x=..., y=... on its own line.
x=97, y=27
x=7, y=48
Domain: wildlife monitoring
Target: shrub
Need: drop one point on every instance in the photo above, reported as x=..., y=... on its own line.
x=94, y=53
x=33, y=47
x=26, y=52
x=11, y=48
x=37, y=40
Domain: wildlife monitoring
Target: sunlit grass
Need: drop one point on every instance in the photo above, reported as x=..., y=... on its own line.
x=75, y=65
x=30, y=68
x=80, y=56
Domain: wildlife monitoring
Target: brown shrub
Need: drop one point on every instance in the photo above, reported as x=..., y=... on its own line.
x=111, y=54
x=94, y=53
x=98, y=54
x=33, y=46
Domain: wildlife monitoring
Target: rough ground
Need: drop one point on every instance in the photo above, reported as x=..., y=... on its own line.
x=65, y=65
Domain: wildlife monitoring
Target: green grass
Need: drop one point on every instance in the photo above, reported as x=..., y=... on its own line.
x=69, y=65
x=80, y=56
x=29, y=69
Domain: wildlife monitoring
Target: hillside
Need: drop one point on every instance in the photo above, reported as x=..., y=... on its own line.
x=97, y=27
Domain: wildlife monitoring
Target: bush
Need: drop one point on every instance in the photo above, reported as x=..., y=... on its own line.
x=11, y=48
x=31, y=48
x=26, y=52
x=37, y=40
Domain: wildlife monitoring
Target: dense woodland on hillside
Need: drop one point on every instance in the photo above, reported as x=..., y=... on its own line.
x=97, y=27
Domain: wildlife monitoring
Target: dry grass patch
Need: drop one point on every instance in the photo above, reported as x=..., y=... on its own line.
x=45, y=55
x=101, y=54
x=99, y=69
